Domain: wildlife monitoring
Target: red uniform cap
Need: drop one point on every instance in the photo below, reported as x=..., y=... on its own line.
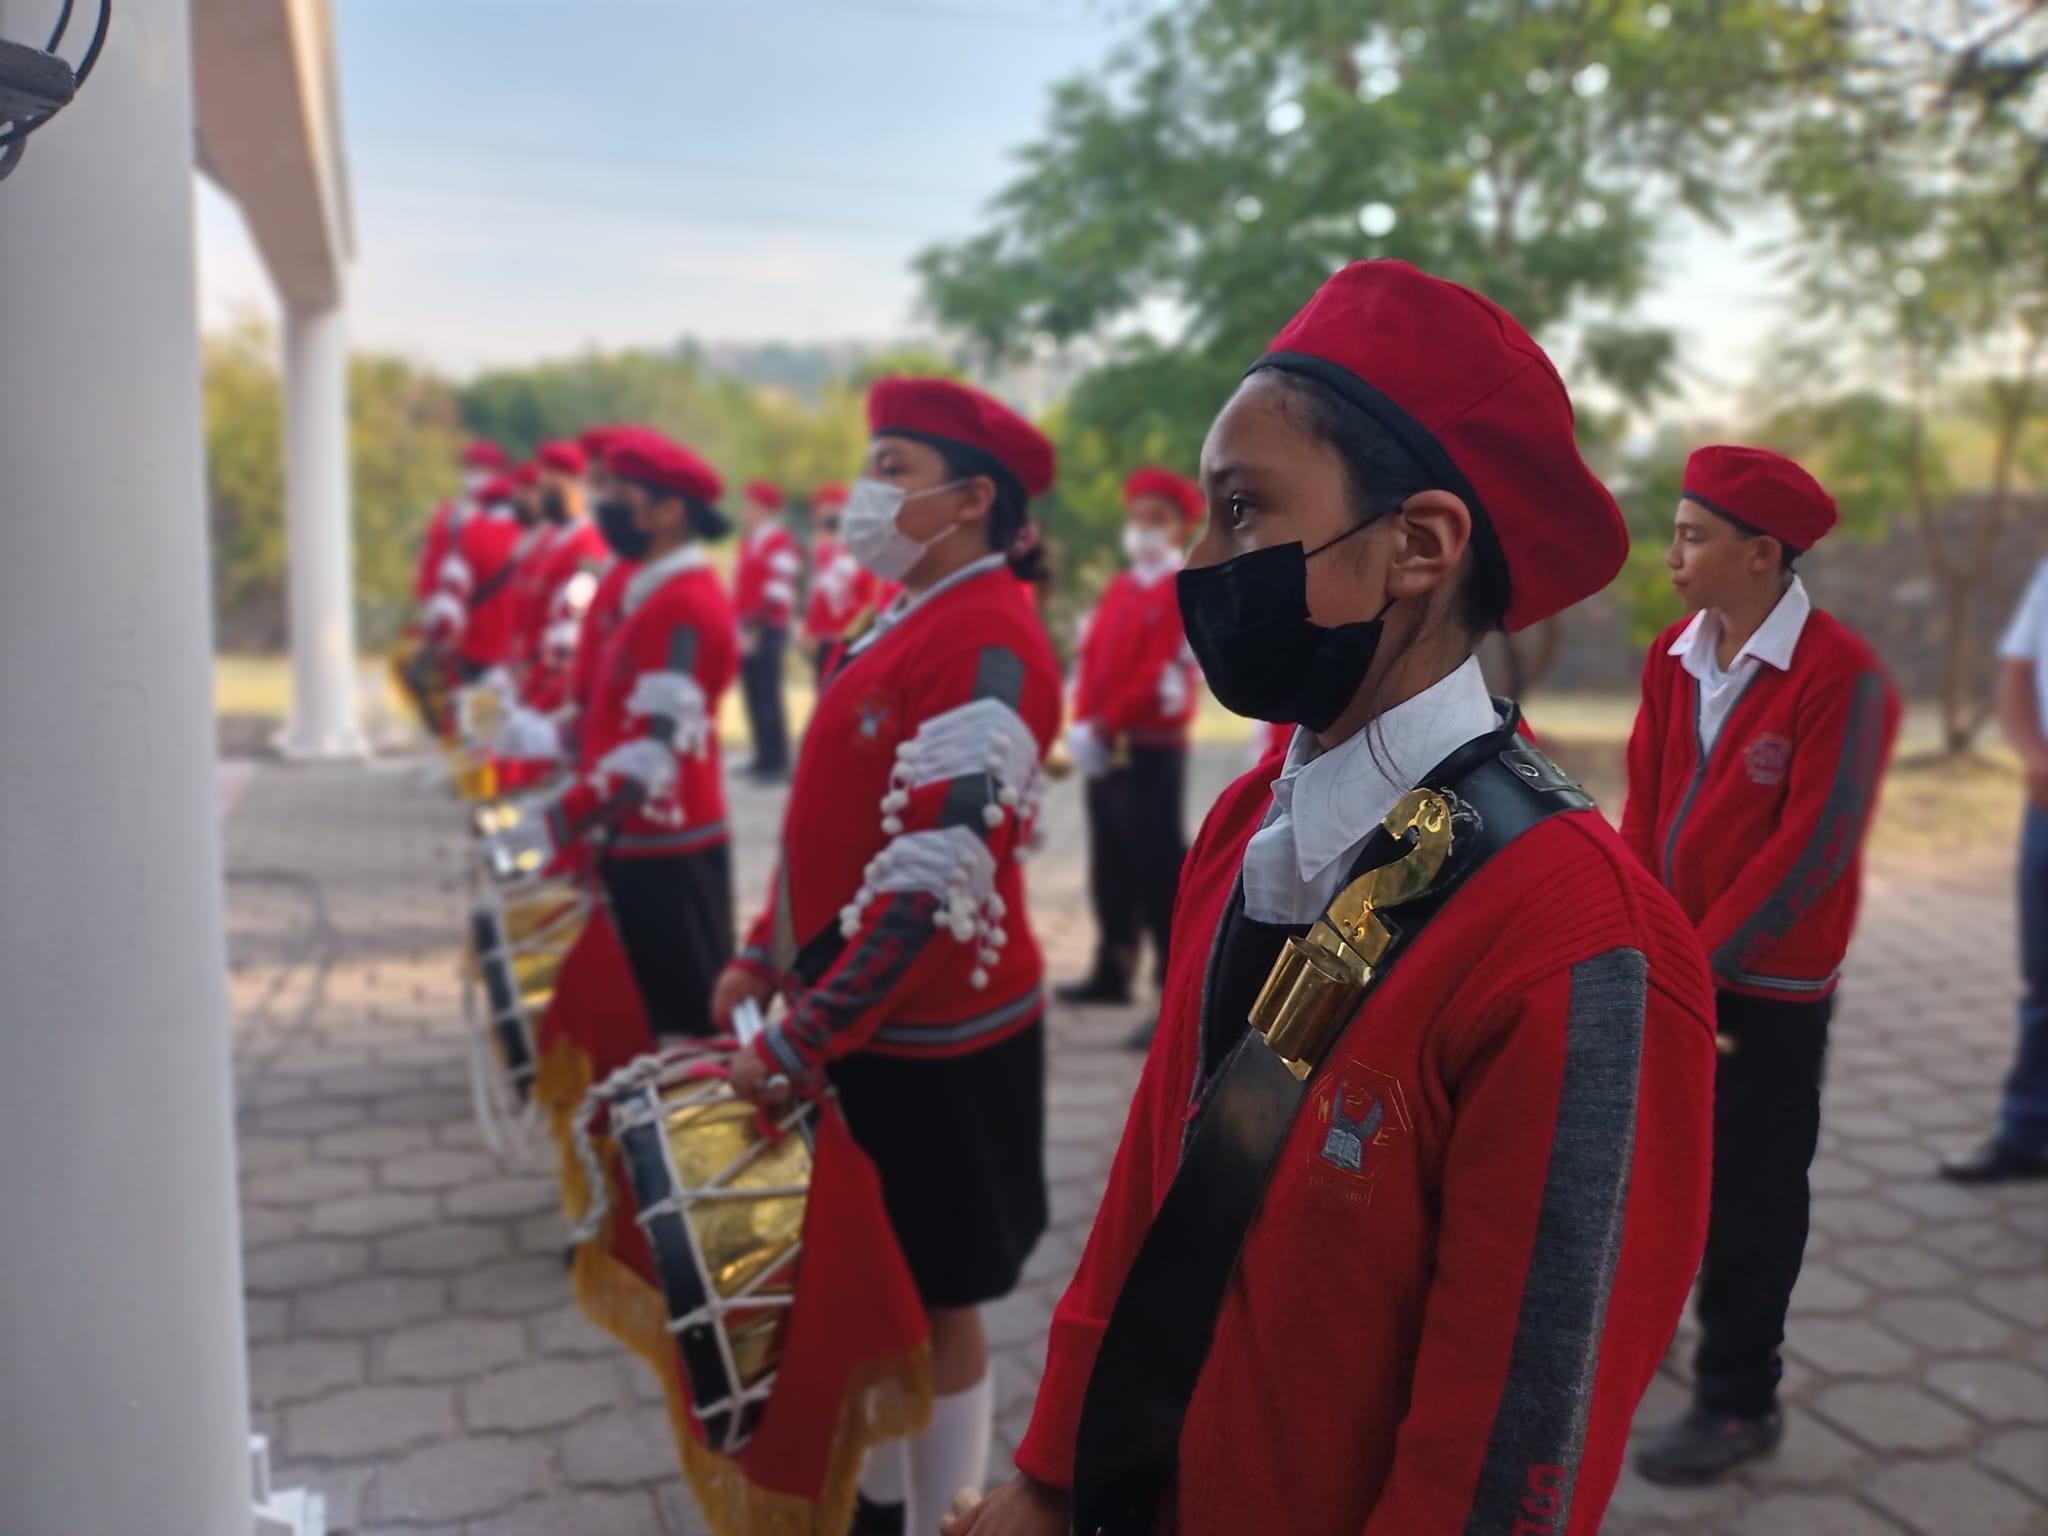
x=484, y=455
x=654, y=460
x=765, y=494
x=497, y=488
x=1461, y=385
x=1763, y=489
x=526, y=474
x=561, y=456
x=1178, y=489
x=828, y=496
x=941, y=408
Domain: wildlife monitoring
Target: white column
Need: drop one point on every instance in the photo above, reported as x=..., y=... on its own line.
x=319, y=597
x=123, y=1378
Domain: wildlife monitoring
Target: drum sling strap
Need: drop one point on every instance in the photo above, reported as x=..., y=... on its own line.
x=1165, y=1317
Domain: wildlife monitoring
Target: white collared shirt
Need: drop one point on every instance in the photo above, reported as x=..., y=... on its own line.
x=905, y=604
x=1326, y=804
x=651, y=577
x=1156, y=571
x=1697, y=650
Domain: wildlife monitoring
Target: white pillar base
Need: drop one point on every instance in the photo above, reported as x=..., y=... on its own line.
x=286, y=1511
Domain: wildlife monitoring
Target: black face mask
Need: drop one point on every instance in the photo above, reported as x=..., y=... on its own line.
x=556, y=507
x=615, y=522
x=1248, y=625
x=829, y=530
x=527, y=513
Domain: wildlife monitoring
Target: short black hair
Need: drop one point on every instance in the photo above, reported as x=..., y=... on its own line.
x=1786, y=552
x=1383, y=475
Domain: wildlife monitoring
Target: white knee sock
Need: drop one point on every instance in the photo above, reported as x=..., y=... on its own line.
x=881, y=1476
x=951, y=1453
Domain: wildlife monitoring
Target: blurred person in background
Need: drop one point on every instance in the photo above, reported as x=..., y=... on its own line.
x=2018, y=1149
x=1134, y=701
x=765, y=581
x=1753, y=773
x=842, y=589
x=897, y=926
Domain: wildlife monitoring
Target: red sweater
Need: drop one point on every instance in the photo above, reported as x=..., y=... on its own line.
x=435, y=546
x=917, y=780
x=1452, y=1333
x=765, y=578
x=1135, y=678
x=575, y=550
x=595, y=633
x=1762, y=842
x=842, y=589
x=683, y=625
x=488, y=543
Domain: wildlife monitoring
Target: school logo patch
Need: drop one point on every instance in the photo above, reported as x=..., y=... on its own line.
x=1767, y=758
x=1361, y=1126
x=872, y=713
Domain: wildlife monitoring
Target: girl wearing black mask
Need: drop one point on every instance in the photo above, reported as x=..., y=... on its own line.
x=1414, y=1184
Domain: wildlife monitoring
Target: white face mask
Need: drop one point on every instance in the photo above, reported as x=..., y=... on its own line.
x=867, y=527
x=1146, y=546
x=473, y=481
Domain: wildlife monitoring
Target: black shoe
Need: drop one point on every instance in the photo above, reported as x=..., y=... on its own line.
x=872, y=1519
x=1095, y=992
x=1140, y=1039
x=768, y=775
x=1994, y=1162
x=1705, y=1446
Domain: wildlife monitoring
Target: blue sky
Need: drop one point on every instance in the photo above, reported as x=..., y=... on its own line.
x=533, y=177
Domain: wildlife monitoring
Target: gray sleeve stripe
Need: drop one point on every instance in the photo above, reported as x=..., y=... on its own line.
x=999, y=675
x=682, y=648
x=1539, y=1427
x=1828, y=852
x=865, y=971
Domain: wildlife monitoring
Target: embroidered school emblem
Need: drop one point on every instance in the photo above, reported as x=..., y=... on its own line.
x=873, y=715
x=1361, y=1123
x=1767, y=758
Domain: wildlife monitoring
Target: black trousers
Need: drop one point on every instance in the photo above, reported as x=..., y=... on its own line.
x=674, y=916
x=761, y=685
x=1766, y=1125
x=1136, y=842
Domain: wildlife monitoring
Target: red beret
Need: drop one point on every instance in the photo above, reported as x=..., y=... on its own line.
x=526, y=474
x=1461, y=385
x=829, y=496
x=654, y=460
x=483, y=455
x=941, y=408
x=1763, y=489
x=765, y=493
x=497, y=488
x=1178, y=489
x=561, y=456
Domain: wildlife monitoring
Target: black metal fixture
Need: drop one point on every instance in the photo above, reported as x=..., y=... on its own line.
x=37, y=83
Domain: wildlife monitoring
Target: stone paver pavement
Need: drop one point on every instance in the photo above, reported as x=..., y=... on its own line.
x=414, y=1352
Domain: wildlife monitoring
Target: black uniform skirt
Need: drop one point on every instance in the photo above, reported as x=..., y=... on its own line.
x=959, y=1143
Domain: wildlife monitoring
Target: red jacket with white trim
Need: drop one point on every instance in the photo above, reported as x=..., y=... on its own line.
x=917, y=783
x=1135, y=676
x=1479, y=1234
x=842, y=589
x=556, y=623
x=600, y=620
x=436, y=544
x=675, y=639
x=529, y=597
x=766, y=576
x=488, y=544
x=1762, y=842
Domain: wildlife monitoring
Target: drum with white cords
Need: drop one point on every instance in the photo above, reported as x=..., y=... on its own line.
x=718, y=1188
x=519, y=937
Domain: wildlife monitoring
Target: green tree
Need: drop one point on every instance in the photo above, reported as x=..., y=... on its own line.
x=1918, y=184
x=1185, y=201
x=405, y=437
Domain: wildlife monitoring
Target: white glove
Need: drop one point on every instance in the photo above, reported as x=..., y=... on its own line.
x=525, y=848
x=650, y=764
x=455, y=574
x=1173, y=689
x=1088, y=750
x=558, y=644
x=499, y=681
x=530, y=736
x=443, y=613
x=676, y=698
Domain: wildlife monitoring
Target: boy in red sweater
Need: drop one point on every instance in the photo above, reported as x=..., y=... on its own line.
x=1753, y=771
x=1134, y=696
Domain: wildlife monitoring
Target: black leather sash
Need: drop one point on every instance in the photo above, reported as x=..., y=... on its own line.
x=1165, y=1317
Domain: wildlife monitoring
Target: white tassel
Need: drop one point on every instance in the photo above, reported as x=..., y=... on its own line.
x=992, y=816
x=893, y=825
x=977, y=978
